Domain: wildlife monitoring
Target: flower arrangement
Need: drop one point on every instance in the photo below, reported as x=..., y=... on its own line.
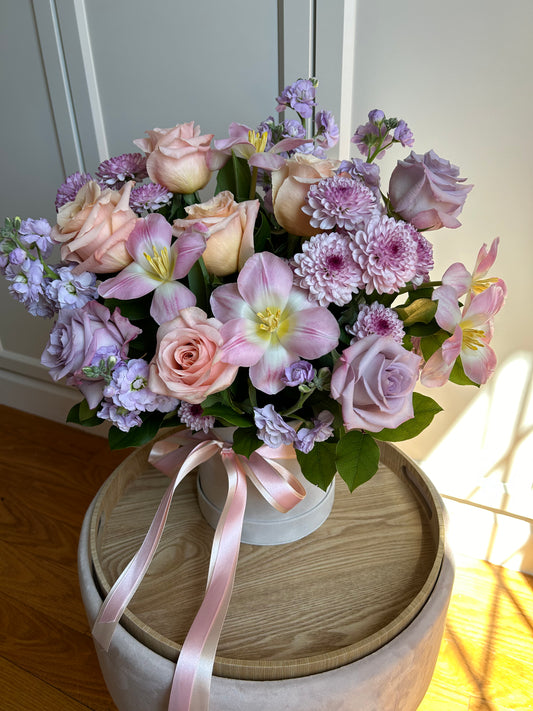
x=296, y=304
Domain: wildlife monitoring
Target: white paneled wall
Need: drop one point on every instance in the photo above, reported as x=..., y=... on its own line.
x=81, y=79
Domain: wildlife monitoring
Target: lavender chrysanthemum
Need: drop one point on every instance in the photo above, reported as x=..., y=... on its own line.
x=272, y=428
x=327, y=270
x=339, y=201
x=149, y=198
x=115, y=172
x=71, y=291
x=386, y=253
x=299, y=96
x=297, y=373
x=68, y=191
x=321, y=431
x=36, y=233
x=424, y=253
x=327, y=130
x=192, y=417
x=379, y=319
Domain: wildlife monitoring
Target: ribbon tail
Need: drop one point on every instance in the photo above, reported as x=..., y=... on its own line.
x=192, y=679
x=124, y=588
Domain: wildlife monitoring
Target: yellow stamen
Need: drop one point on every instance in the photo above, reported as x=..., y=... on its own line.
x=472, y=338
x=160, y=263
x=258, y=140
x=481, y=284
x=270, y=319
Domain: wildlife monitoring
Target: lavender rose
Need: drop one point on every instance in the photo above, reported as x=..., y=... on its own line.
x=373, y=380
x=76, y=338
x=427, y=192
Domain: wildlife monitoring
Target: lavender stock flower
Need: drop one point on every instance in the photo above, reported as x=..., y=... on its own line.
x=327, y=130
x=321, y=431
x=272, y=428
x=299, y=96
x=70, y=291
x=297, y=373
x=36, y=233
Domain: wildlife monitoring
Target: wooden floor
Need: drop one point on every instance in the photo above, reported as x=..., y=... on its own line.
x=49, y=474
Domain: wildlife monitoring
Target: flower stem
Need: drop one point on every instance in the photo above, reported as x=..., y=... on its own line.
x=253, y=184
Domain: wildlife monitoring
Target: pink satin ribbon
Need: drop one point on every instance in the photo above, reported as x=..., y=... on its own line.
x=176, y=456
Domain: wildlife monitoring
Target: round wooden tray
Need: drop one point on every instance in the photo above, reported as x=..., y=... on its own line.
x=297, y=609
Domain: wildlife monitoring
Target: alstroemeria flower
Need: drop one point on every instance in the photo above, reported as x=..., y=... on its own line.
x=471, y=332
x=269, y=323
x=249, y=144
x=462, y=282
x=156, y=267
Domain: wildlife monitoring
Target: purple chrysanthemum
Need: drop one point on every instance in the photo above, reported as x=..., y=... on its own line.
x=297, y=373
x=272, y=428
x=327, y=270
x=115, y=172
x=424, y=253
x=36, y=233
x=339, y=201
x=327, y=134
x=68, y=191
x=192, y=417
x=70, y=291
x=378, y=319
x=386, y=253
x=403, y=134
x=300, y=96
x=321, y=431
x=149, y=198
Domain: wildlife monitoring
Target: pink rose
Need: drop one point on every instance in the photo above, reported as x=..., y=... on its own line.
x=230, y=231
x=187, y=364
x=290, y=185
x=427, y=192
x=93, y=229
x=373, y=380
x=178, y=157
x=81, y=336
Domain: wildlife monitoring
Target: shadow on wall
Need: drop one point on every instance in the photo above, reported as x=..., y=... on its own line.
x=488, y=488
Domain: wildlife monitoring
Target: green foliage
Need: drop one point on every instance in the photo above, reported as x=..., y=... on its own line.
x=245, y=441
x=418, y=311
x=133, y=309
x=198, y=279
x=357, y=458
x=318, y=466
x=235, y=176
x=226, y=414
x=81, y=414
x=425, y=409
x=137, y=436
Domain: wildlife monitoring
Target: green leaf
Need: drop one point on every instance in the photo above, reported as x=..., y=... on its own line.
x=357, y=458
x=226, y=414
x=458, y=375
x=236, y=177
x=245, y=441
x=419, y=311
x=133, y=309
x=82, y=415
x=262, y=232
x=198, y=279
x=425, y=409
x=318, y=465
x=137, y=436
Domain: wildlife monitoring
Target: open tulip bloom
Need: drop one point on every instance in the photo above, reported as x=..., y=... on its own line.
x=296, y=304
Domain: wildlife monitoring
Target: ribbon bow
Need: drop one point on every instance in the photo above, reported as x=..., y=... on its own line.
x=176, y=456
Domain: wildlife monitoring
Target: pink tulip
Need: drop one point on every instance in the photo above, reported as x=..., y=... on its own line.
x=269, y=323
x=471, y=332
x=156, y=267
